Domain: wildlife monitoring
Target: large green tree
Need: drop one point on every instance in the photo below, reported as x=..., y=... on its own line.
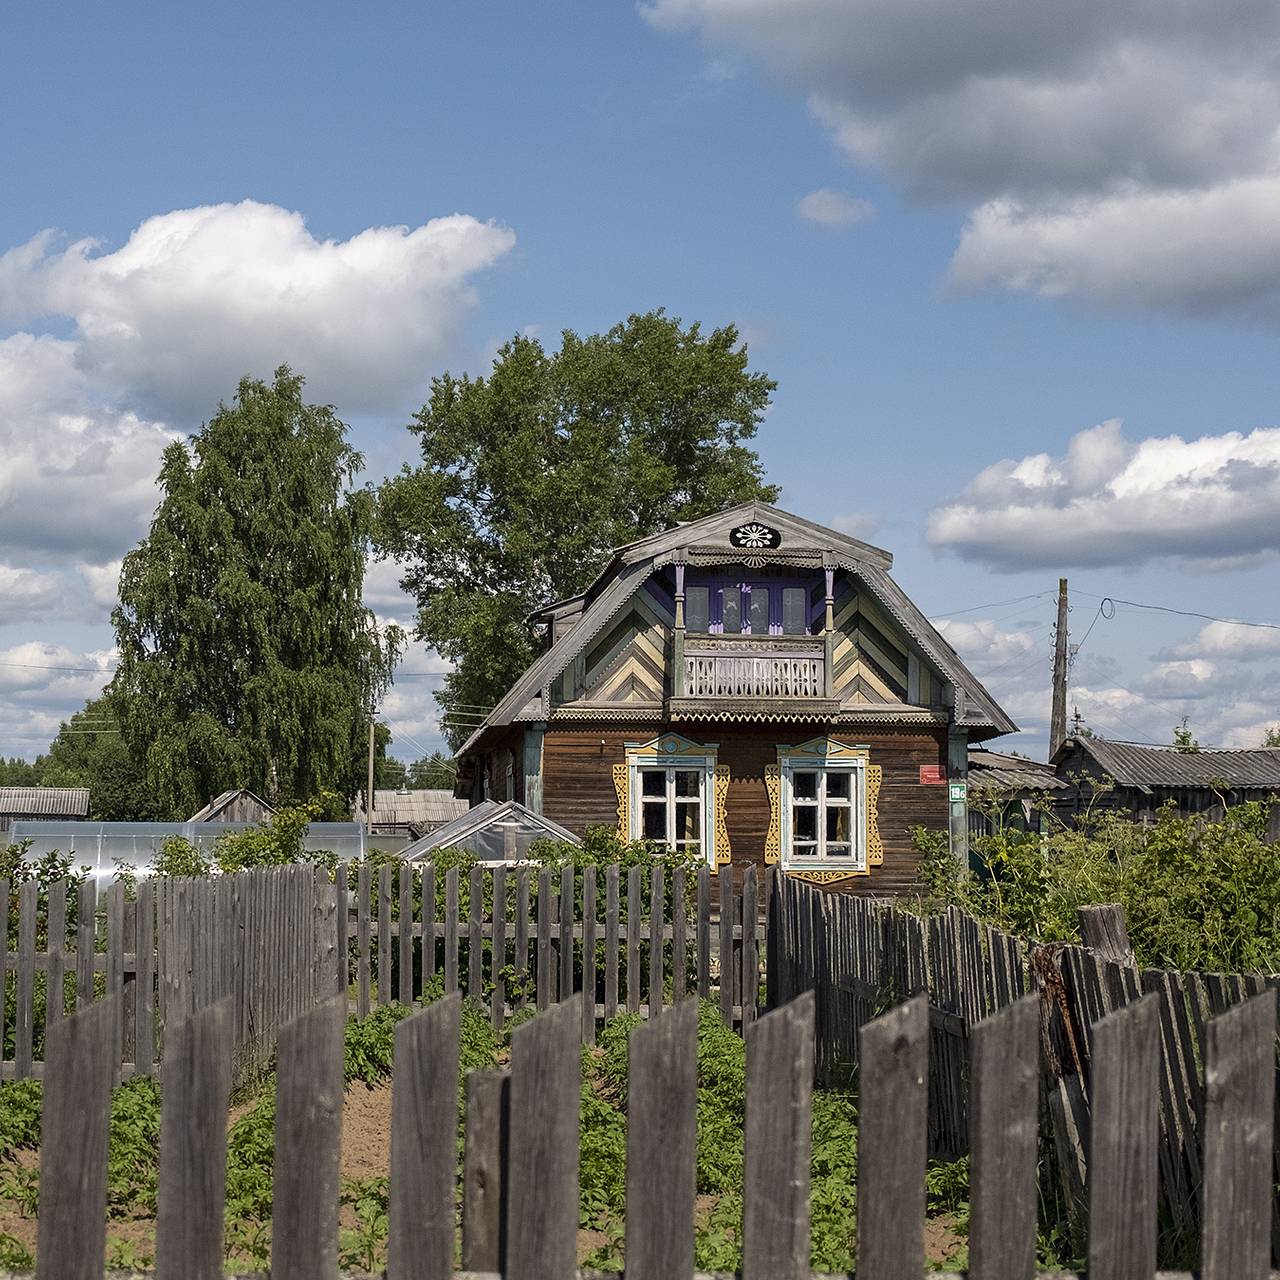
x=247, y=657
x=529, y=477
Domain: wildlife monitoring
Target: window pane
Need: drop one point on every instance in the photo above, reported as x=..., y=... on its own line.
x=688, y=820
x=794, y=602
x=655, y=822
x=686, y=782
x=837, y=825
x=839, y=851
x=804, y=823
x=804, y=785
x=697, y=609
x=809, y=850
x=732, y=606
x=837, y=785
x=760, y=611
x=653, y=782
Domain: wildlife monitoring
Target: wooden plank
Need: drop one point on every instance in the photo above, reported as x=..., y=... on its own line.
x=522, y=936
x=546, y=1083
x=777, y=1142
x=1103, y=929
x=725, y=951
x=25, y=1008
x=384, y=933
x=193, y=1144
x=475, y=935
x=704, y=932
x=4, y=961
x=145, y=1036
x=484, y=1171
x=1124, y=1089
x=1239, y=1102
x=451, y=930
x=892, y=1111
x=565, y=904
x=679, y=937
x=546, y=905
x=115, y=967
x=308, y=1143
x=662, y=1098
x=588, y=955
x=363, y=960
x=428, y=923
x=71, y=1236
x=424, y=1143
x=1004, y=1101
x=86, y=940
x=498, y=956
x=342, y=910
x=405, y=940
x=56, y=947
x=750, y=947
x=657, y=919
x=611, y=912
x=634, y=912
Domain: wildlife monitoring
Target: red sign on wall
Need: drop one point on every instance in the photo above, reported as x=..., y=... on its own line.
x=933, y=774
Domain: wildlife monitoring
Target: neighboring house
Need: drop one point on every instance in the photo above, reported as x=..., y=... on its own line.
x=23, y=804
x=238, y=805
x=410, y=813
x=1145, y=778
x=494, y=831
x=754, y=688
x=1008, y=791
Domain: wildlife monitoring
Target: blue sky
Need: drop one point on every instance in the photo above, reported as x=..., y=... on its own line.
x=1021, y=232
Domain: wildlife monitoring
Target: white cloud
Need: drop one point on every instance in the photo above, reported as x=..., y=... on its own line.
x=1104, y=132
x=1232, y=640
x=857, y=524
x=41, y=685
x=1111, y=501
x=833, y=208
x=199, y=297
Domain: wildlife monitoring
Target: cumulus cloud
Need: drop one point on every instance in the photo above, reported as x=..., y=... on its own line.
x=1071, y=131
x=857, y=524
x=833, y=209
x=199, y=297
x=1112, y=501
x=1232, y=640
x=41, y=685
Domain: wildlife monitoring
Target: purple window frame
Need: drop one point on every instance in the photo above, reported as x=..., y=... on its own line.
x=774, y=586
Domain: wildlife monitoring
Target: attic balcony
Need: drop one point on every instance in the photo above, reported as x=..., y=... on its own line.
x=752, y=675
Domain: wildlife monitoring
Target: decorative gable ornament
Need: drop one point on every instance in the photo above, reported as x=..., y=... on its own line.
x=755, y=537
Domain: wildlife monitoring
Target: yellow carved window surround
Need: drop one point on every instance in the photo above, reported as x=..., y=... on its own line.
x=823, y=802
x=674, y=784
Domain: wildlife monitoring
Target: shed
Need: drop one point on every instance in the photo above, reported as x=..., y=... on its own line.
x=237, y=805
x=410, y=813
x=21, y=804
x=1147, y=777
x=1009, y=790
x=494, y=831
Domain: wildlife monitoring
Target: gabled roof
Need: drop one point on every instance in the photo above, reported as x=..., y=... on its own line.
x=487, y=814
x=216, y=807
x=61, y=802
x=1144, y=767
x=630, y=566
x=996, y=771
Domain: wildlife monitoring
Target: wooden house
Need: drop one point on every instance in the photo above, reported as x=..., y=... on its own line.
x=409, y=812
x=1140, y=779
x=237, y=805
x=26, y=804
x=752, y=687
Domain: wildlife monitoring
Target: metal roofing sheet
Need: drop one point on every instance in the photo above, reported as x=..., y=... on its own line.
x=995, y=771
x=1131, y=765
x=427, y=806
x=65, y=802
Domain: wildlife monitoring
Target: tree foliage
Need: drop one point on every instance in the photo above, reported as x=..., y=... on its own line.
x=531, y=476
x=246, y=655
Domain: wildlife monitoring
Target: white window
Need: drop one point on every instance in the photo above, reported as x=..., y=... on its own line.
x=673, y=796
x=824, y=808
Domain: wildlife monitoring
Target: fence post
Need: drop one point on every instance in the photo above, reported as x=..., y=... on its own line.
x=1122, y=1148
x=657, y=914
x=193, y=1144
x=725, y=879
x=79, y=1072
x=777, y=1143
x=546, y=1084
x=24, y=1014
x=588, y=955
x=892, y=1113
x=484, y=1171
x=1103, y=929
x=662, y=1097
x=634, y=911
x=424, y=1143
x=1239, y=1097
x=308, y=1140
x=1004, y=1101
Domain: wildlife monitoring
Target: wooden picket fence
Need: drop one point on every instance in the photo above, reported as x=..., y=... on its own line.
x=511, y=937
x=173, y=946
x=520, y=1194
x=860, y=955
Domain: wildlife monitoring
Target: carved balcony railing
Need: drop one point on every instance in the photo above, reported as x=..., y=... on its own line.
x=761, y=667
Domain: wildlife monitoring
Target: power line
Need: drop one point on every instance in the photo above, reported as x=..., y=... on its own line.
x=40, y=666
x=995, y=604
x=1183, y=613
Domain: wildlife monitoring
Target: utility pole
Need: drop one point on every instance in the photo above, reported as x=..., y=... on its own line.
x=368, y=795
x=1058, y=720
